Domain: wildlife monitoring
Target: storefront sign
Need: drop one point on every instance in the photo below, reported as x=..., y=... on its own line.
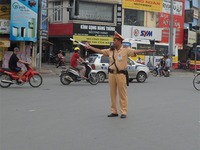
x=89, y=29
x=178, y=7
x=144, y=33
x=4, y=26
x=119, y=14
x=95, y=40
x=190, y=37
x=4, y=42
x=164, y=22
x=5, y=11
x=148, y=5
x=23, y=25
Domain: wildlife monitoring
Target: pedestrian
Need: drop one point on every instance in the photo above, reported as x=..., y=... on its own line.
x=118, y=77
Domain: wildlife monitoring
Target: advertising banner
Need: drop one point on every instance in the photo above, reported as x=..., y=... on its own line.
x=164, y=22
x=4, y=26
x=178, y=7
x=44, y=15
x=148, y=5
x=144, y=33
x=95, y=40
x=23, y=25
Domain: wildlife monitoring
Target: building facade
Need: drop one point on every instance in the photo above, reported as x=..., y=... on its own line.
x=87, y=20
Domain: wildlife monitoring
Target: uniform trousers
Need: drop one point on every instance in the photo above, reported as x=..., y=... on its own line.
x=118, y=82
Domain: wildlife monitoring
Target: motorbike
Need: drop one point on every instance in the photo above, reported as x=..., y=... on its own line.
x=59, y=62
x=72, y=75
x=155, y=71
x=9, y=77
x=166, y=73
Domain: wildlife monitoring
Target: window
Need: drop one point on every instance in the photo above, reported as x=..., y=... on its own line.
x=57, y=11
x=94, y=12
x=92, y=58
x=104, y=59
x=133, y=17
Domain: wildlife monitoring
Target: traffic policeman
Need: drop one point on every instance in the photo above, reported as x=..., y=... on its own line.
x=118, y=57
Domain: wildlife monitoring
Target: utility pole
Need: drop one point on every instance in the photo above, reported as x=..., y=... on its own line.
x=171, y=37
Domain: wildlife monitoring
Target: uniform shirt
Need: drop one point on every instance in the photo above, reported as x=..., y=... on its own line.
x=121, y=57
x=13, y=61
x=73, y=61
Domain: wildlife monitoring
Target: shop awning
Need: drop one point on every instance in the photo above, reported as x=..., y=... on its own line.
x=4, y=42
x=48, y=42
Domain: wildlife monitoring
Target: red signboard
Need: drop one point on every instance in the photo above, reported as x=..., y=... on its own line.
x=61, y=29
x=164, y=22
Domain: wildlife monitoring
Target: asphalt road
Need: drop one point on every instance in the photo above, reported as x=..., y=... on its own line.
x=164, y=114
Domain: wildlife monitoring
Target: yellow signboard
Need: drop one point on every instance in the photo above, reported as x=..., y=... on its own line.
x=4, y=42
x=94, y=40
x=4, y=11
x=147, y=5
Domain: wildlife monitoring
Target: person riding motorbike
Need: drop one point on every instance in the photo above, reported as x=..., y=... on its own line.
x=167, y=64
x=60, y=59
x=13, y=64
x=76, y=61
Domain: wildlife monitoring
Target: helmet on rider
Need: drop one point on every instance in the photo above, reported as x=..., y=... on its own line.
x=76, y=49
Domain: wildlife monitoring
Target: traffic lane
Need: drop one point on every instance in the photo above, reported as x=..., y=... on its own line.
x=56, y=116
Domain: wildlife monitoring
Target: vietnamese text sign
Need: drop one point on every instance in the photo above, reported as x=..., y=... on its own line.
x=148, y=5
x=178, y=7
x=23, y=25
x=95, y=40
x=4, y=26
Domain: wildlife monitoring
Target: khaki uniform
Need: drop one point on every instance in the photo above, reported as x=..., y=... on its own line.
x=118, y=80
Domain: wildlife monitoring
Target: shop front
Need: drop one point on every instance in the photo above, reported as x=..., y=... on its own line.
x=4, y=45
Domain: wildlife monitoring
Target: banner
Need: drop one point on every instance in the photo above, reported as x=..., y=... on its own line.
x=95, y=40
x=4, y=26
x=164, y=22
x=23, y=24
x=147, y=5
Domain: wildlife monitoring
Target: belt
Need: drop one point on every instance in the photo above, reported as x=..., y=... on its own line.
x=116, y=72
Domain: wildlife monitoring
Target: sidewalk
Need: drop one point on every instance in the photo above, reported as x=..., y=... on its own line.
x=50, y=69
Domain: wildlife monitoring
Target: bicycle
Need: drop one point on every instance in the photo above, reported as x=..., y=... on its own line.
x=196, y=81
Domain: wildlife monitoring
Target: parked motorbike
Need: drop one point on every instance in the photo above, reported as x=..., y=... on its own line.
x=8, y=77
x=72, y=75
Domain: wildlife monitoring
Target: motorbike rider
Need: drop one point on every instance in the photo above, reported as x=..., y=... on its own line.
x=76, y=61
x=60, y=57
x=161, y=66
x=167, y=64
x=13, y=64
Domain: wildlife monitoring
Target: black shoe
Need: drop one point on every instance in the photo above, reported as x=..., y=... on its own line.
x=123, y=116
x=113, y=115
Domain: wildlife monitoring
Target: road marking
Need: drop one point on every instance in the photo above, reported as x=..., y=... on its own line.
x=31, y=110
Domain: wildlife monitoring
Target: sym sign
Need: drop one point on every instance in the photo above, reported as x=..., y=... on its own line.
x=144, y=33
